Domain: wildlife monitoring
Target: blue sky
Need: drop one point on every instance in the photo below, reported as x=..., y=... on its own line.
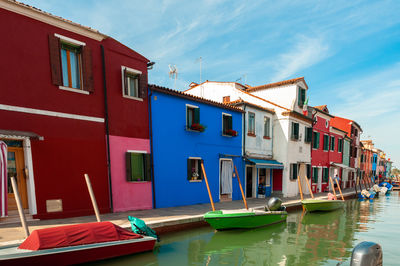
x=348, y=51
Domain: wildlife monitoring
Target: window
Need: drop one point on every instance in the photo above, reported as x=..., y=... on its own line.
x=295, y=131
x=301, y=96
x=267, y=127
x=226, y=99
x=332, y=143
x=293, y=171
x=252, y=124
x=137, y=166
x=315, y=140
x=226, y=124
x=193, y=118
x=308, y=134
x=315, y=175
x=340, y=145
x=71, y=64
x=194, y=172
x=325, y=174
x=308, y=171
x=326, y=142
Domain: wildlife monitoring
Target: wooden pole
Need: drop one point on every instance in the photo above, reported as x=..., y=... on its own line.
x=339, y=189
x=208, y=187
x=241, y=188
x=309, y=187
x=92, y=197
x=301, y=191
x=19, y=205
x=333, y=187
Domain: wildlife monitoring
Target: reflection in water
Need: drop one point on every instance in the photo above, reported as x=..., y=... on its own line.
x=305, y=239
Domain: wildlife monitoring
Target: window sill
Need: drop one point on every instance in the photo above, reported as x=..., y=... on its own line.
x=195, y=181
x=192, y=130
x=228, y=136
x=133, y=98
x=265, y=137
x=294, y=139
x=251, y=134
x=73, y=90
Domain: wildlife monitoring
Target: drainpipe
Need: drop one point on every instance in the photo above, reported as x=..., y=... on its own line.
x=151, y=152
x=107, y=126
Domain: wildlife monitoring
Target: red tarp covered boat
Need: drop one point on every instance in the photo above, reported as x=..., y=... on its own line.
x=72, y=244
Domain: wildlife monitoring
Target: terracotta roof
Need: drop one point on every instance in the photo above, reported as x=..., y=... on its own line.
x=194, y=98
x=54, y=16
x=320, y=107
x=338, y=129
x=208, y=81
x=241, y=102
x=276, y=84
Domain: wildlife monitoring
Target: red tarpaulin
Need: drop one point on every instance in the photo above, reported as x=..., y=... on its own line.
x=74, y=235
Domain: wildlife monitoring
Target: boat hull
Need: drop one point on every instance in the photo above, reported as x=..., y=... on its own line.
x=312, y=205
x=225, y=220
x=10, y=255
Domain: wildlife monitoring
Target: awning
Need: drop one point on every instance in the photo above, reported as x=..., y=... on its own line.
x=340, y=165
x=272, y=164
x=16, y=133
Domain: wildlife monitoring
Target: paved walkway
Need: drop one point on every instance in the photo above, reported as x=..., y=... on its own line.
x=158, y=219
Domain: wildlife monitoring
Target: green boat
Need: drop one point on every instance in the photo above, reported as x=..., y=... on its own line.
x=312, y=205
x=241, y=219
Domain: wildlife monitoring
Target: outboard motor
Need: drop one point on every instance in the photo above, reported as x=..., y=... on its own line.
x=366, y=254
x=274, y=204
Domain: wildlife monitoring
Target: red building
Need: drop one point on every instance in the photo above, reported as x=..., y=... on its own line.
x=72, y=101
x=353, y=131
x=326, y=150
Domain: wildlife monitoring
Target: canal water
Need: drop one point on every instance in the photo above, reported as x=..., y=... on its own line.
x=305, y=239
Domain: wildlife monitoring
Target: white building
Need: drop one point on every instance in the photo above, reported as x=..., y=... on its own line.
x=289, y=145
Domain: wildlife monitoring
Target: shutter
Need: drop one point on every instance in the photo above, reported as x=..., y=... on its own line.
x=189, y=169
x=125, y=82
x=318, y=140
x=229, y=122
x=55, y=60
x=87, y=69
x=128, y=166
x=196, y=115
x=296, y=130
x=143, y=86
x=200, y=162
x=299, y=97
x=147, y=167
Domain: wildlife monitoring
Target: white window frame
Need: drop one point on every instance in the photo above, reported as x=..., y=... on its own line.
x=199, y=166
x=222, y=121
x=132, y=71
x=269, y=127
x=248, y=127
x=186, y=117
x=323, y=143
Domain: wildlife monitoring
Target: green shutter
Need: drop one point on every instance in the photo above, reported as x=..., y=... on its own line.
x=147, y=167
x=196, y=116
x=189, y=169
x=299, y=97
x=128, y=166
x=229, y=122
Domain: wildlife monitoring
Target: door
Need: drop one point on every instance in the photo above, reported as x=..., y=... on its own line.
x=320, y=179
x=277, y=180
x=249, y=182
x=16, y=168
x=225, y=179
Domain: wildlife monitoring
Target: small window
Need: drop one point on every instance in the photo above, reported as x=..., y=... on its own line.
x=326, y=142
x=71, y=65
x=315, y=140
x=137, y=167
x=194, y=172
x=308, y=134
x=252, y=124
x=227, y=126
x=295, y=131
x=293, y=171
x=193, y=118
x=340, y=145
x=325, y=175
x=315, y=175
x=132, y=83
x=301, y=96
x=332, y=143
x=267, y=126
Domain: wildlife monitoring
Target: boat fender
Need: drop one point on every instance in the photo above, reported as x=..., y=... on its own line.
x=139, y=227
x=274, y=204
x=367, y=253
x=331, y=196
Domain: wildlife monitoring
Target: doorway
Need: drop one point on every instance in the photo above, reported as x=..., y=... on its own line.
x=249, y=181
x=225, y=179
x=16, y=168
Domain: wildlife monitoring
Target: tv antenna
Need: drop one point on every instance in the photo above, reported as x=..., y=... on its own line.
x=173, y=73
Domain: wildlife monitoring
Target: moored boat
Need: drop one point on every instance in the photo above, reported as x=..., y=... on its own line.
x=312, y=205
x=73, y=244
x=240, y=219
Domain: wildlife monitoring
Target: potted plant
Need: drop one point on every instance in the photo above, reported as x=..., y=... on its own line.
x=231, y=132
x=197, y=127
x=195, y=175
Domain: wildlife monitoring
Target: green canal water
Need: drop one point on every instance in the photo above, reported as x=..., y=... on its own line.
x=305, y=239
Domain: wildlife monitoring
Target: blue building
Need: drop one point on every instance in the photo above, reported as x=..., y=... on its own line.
x=374, y=164
x=186, y=131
